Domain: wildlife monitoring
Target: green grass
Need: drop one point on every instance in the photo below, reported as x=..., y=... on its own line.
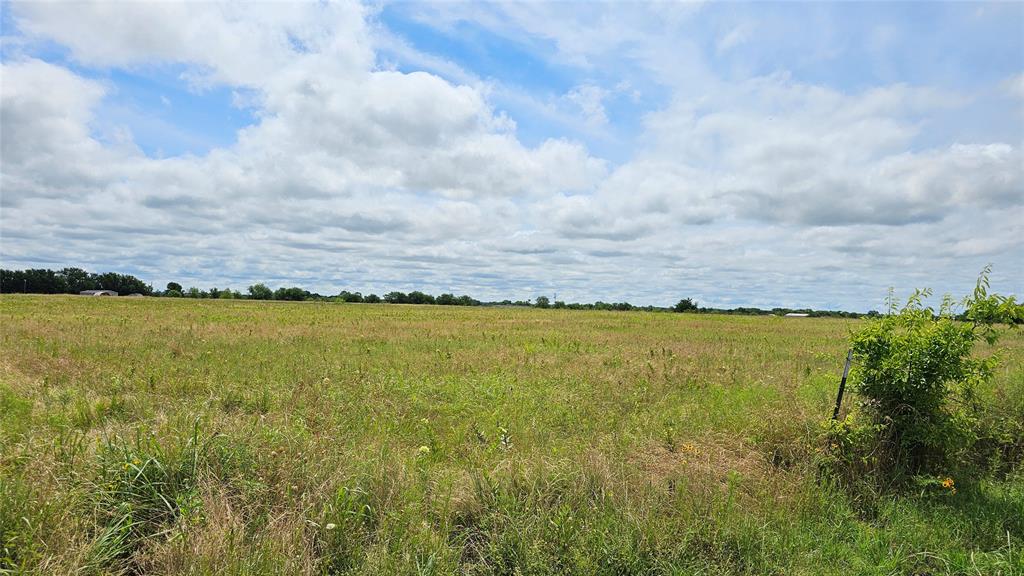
x=166, y=436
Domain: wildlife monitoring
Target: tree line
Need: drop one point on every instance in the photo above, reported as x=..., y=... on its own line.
x=75, y=280
x=69, y=281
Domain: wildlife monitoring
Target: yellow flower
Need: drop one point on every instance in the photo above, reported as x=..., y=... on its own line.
x=424, y=451
x=948, y=484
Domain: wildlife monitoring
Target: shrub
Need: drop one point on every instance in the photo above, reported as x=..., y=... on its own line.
x=918, y=378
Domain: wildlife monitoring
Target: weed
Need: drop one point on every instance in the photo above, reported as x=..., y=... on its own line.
x=143, y=490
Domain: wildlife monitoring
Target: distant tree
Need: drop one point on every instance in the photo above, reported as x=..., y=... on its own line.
x=46, y=281
x=33, y=281
x=13, y=282
x=346, y=296
x=543, y=302
x=396, y=298
x=447, y=300
x=173, y=293
x=559, y=304
x=293, y=293
x=76, y=280
x=686, y=305
x=371, y=299
x=417, y=297
x=465, y=300
x=173, y=286
x=260, y=292
x=122, y=283
x=194, y=292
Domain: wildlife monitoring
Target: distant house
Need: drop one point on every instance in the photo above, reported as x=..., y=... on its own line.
x=796, y=315
x=98, y=293
x=135, y=295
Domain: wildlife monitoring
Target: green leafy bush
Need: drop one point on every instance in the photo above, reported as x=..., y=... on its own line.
x=917, y=376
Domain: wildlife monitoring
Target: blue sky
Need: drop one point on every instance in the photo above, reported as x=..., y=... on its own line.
x=797, y=154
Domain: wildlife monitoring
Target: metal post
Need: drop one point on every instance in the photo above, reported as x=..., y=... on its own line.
x=842, y=385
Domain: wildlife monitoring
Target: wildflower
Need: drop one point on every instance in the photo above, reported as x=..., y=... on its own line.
x=424, y=451
x=948, y=484
x=331, y=526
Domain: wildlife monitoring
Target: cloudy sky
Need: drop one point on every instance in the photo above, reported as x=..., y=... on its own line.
x=765, y=154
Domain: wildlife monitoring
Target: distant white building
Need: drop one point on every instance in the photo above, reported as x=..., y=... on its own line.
x=98, y=293
x=796, y=315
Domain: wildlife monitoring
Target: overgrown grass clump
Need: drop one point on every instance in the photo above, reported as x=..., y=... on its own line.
x=140, y=491
x=219, y=437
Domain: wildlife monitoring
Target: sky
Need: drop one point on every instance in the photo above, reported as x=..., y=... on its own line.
x=798, y=155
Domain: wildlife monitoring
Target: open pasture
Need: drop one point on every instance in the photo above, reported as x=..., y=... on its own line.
x=168, y=436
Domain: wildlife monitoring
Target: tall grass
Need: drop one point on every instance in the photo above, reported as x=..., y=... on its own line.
x=219, y=437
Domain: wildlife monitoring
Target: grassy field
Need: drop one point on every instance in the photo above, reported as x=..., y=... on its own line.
x=163, y=436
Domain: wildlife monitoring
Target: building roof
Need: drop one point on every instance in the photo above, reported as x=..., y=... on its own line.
x=98, y=293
